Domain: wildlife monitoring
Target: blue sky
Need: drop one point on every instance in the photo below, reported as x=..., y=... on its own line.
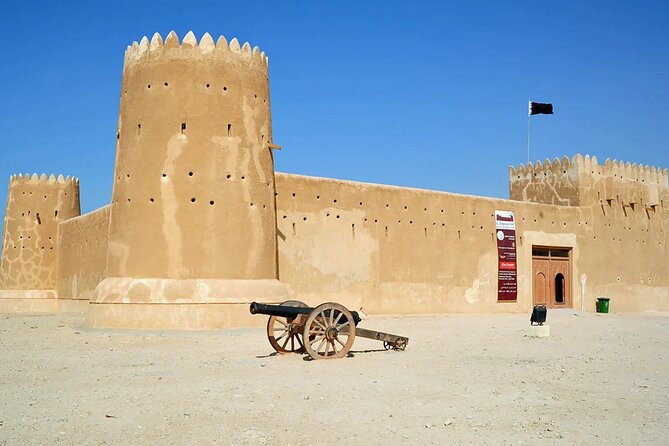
x=422, y=94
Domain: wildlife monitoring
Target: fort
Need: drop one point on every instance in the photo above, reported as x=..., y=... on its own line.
x=200, y=224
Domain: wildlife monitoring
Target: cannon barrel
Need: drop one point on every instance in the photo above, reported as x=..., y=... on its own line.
x=278, y=310
x=289, y=312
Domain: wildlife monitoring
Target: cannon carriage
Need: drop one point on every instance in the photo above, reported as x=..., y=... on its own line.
x=324, y=332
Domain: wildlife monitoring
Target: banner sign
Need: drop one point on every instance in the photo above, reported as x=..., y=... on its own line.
x=507, y=275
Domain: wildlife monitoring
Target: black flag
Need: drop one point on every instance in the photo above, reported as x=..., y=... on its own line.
x=537, y=108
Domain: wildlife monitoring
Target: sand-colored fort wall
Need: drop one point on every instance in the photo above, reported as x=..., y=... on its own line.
x=35, y=207
x=82, y=259
x=624, y=245
x=393, y=250
x=397, y=250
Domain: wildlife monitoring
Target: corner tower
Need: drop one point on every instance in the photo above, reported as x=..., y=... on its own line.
x=582, y=181
x=35, y=207
x=193, y=217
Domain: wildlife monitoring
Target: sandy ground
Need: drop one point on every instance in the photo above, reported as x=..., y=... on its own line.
x=599, y=379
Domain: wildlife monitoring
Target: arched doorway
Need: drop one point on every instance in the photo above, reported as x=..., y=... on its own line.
x=559, y=288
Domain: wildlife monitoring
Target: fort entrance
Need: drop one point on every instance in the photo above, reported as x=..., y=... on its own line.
x=551, y=276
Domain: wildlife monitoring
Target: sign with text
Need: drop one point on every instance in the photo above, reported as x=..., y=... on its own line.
x=507, y=271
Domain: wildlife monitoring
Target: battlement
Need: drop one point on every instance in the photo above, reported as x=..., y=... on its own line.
x=189, y=47
x=34, y=179
x=615, y=169
x=582, y=180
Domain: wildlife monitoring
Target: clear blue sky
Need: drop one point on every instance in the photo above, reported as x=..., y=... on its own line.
x=422, y=94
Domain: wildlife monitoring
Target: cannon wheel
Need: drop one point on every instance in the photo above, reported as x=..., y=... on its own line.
x=284, y=336
x=325, y=335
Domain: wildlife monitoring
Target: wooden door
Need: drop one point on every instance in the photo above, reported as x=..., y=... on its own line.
x=540, y=282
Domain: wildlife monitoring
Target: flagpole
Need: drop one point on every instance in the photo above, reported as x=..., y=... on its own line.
x=529, y=120
x=529, y=127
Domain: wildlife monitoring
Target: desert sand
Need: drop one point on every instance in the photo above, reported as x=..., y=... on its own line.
x=598, y=379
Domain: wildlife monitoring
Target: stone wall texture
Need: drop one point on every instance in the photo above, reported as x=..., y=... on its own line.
x=35, y=207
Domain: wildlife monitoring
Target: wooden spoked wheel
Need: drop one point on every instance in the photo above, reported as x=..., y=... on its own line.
x=329, y=331
x=283, y=333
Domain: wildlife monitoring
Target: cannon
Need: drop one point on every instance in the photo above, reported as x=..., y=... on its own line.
x=324, y=332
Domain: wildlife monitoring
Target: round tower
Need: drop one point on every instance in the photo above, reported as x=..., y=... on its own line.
x=193, y=216
x=35, y=207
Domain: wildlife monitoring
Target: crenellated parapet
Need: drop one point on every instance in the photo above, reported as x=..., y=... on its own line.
x=551, y=182
x=34, y=179
x=583, y=181
x=150, y=50
x=36, y=204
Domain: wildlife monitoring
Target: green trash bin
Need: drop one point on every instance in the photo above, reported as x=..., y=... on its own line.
x=603, y=304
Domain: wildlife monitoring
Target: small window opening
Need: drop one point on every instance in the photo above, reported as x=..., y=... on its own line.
x=229, y=129
x=39, y=221
x=353, y=230
x=192, y=200
x=183, y=127
x=55, y=214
